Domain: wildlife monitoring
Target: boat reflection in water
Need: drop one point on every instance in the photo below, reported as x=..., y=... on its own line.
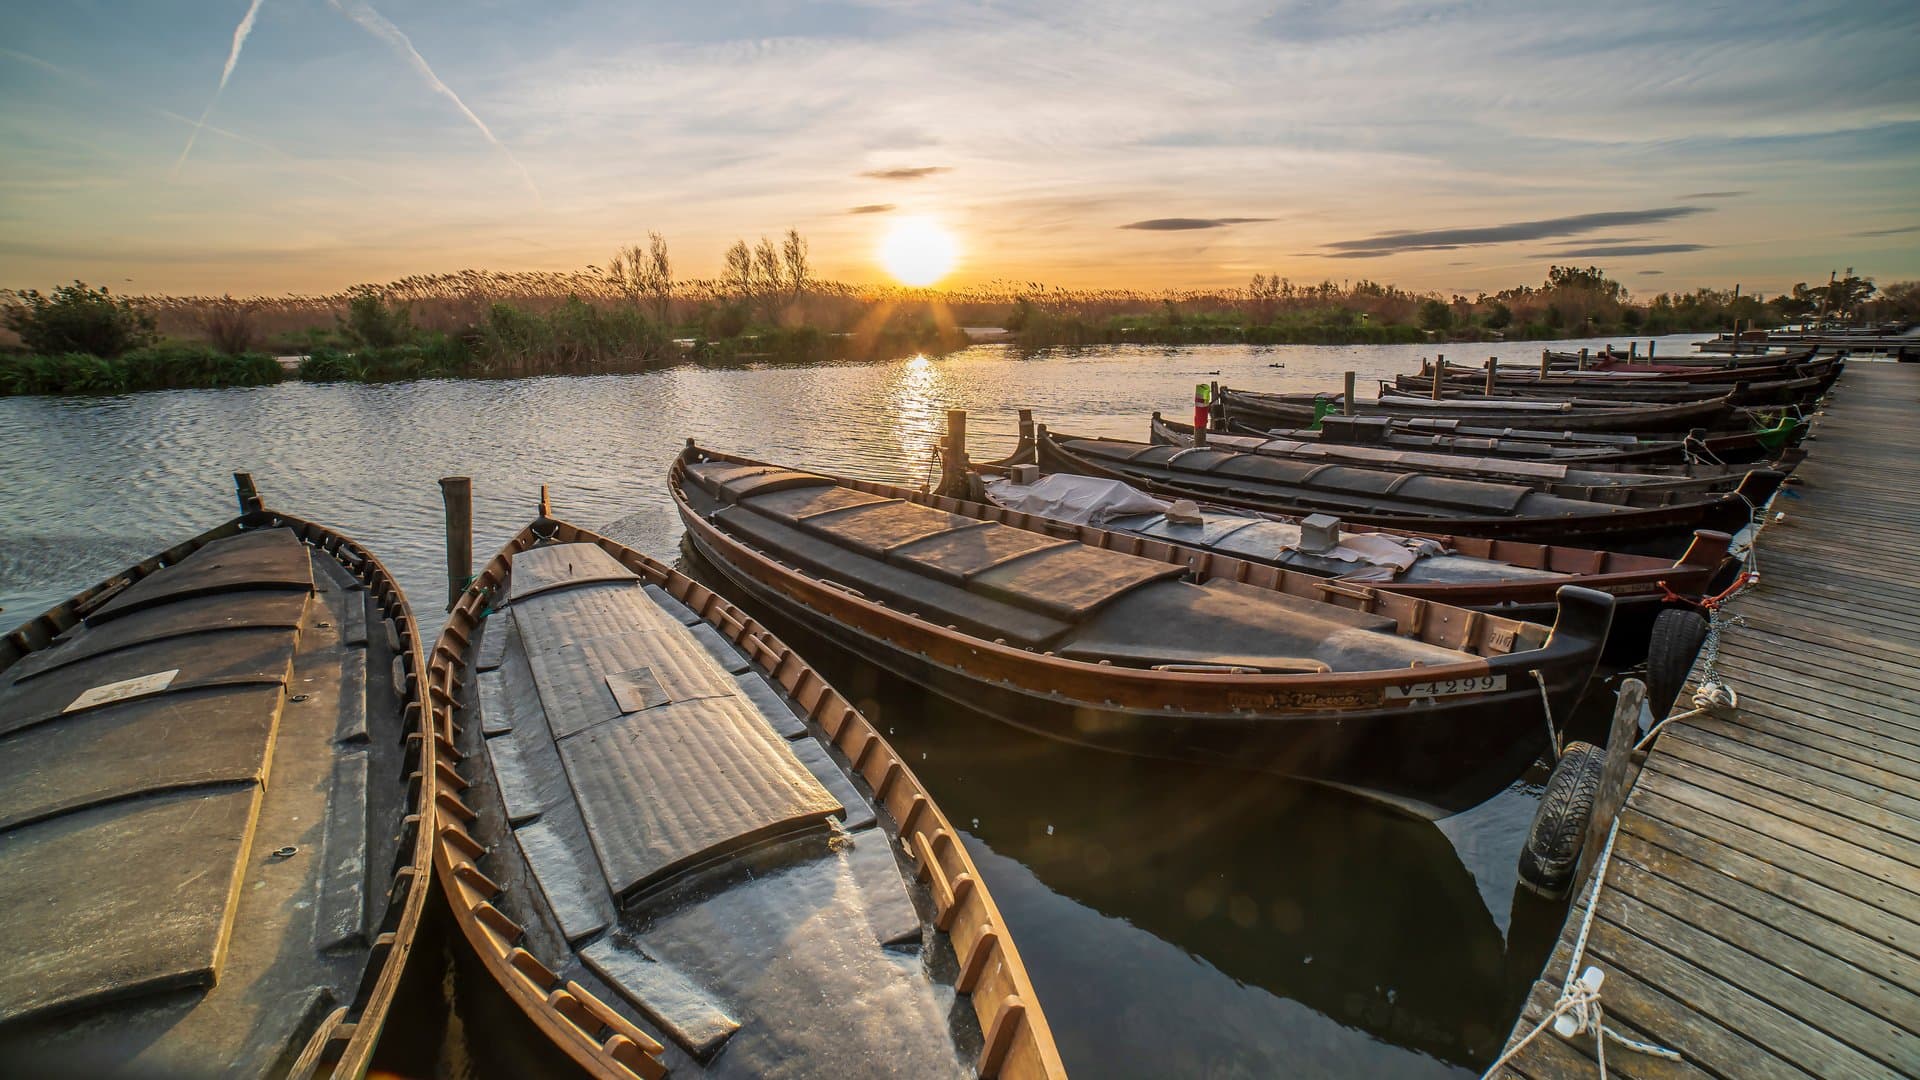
x=1181, y=920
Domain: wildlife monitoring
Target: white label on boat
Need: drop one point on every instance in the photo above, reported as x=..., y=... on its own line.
x=1484, y=684
x=124, y=689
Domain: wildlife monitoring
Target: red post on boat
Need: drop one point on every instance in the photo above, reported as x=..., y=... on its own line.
x=1202, y=410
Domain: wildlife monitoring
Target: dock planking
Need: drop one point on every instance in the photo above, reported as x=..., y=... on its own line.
x=1761, y=911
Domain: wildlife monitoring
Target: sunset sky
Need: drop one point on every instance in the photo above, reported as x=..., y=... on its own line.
x=1454, y=146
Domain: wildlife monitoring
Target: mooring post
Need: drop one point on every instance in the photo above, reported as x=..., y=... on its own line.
x=1650, y=344
x=1616, y=776
x=1546, y=363
x=248, y=495
x=1633, y=350
x=1439, y=374
x=457, y=493
x=1346, y=399
x=953, y=458
x=1583, y=358
x=1202, y=413
x=1493, y=373
x=546, y=504
x=1215, y=422
x=1026, y=435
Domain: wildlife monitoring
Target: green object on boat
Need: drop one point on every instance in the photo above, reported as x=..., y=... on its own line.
x=1781, y=433
x=1322, y=408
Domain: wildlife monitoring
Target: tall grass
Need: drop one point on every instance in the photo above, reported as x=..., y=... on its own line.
x=172, y=366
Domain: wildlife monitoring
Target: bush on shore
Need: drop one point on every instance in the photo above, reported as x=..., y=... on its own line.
x=172, y=366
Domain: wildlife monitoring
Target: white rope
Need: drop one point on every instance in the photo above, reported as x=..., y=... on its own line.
x=1578, y=1010
x=1711, y=698
x=1546, y=709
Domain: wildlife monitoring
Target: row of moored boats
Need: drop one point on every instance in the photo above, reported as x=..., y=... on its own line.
x=232, y=771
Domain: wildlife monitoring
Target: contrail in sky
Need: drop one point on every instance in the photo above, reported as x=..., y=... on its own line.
x=233, y=57
x=377, y=24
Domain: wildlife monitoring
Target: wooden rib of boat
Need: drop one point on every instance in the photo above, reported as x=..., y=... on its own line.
x=1784, y=391
x=1400, y=499
x=1504, y=577
x=1298, y=410
x=680, y=852
x=1637, y=484
x=1120, y=643
x=214, y=776
x=1588, y=448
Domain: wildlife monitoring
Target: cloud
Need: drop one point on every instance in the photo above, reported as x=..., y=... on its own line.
x=1651, y=273
x=240, y=34
x=1444, y=239
x=1716, y=194
x=1601, y=251
x=917, y=172
x=872, y=208
x=1178, y=224
x=377, y=24
x=1888, y=232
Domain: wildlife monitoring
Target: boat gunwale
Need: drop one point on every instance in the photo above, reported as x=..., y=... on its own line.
x=1173, y=693
x=373, y=997
x=1014, y=1025
x=1616, y=418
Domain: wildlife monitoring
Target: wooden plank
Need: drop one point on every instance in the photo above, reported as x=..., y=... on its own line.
x=1855, y=749
x=1764, y=847
x=1776, y=800
x=1790, y=975
x=1792, y=749
x=1857, y=669
x=1804, y=676
x=1837, y=850
x=1902, y=812
x=1837, y=941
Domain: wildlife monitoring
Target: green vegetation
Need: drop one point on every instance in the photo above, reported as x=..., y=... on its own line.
x=768, y=308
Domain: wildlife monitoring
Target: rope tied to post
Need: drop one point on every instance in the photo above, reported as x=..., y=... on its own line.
x=1578, y=1010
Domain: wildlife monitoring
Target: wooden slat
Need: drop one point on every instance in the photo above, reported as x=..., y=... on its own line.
x=1762, y=910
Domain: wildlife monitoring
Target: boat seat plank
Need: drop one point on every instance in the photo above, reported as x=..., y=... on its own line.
x=1345, y=616
x=561, y=857
x=493, y=644
x=736, y=482
x=896, y=923
x=878, y=528
x=246, y=657
x=1072, y=582
x=560, y=566
x=351, y=701
x=673, y=607
x=276, y=609
x=341, y=911
x=856, y=813
x=188, y=848
x=1179, y=623
x=672, y=786
x=573, y=678
x=795, y=504
x=688, y=1014
x=724, y=652
x=590, y=611
x=527, y=769
x=773, y=707
x=959, y=555
x=508, y=695
x=213, y=736
x=262, y=559
x=936, y=600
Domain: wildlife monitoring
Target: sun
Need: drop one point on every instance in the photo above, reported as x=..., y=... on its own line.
x=918, y=251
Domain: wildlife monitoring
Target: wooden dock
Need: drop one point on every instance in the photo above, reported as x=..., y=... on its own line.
x=1761, y=910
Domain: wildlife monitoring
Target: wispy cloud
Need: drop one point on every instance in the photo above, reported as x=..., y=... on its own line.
x=1715, y=195
x=1180, y=224
x=240, y=34
x=916, y=172
x=1888, y=232
x=1544, y=229
x=1601, y=251
x=1651, y=273
x=379, y=26
x=872, y=208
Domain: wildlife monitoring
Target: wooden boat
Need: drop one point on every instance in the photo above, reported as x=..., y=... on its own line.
x=1503, y=577
x=170, y=910
x=1119, y=643
x=1633, y=375
x=1403, y=499
x=1590, y=449
x=680, y=852
x=1641, y=484
x=1619, y=361
x=1300, y=410
x=1582, y=392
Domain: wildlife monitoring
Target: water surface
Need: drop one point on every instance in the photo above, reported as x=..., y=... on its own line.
x=1177, y=920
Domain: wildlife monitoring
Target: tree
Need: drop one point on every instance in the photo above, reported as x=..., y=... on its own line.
x=768, y=281
x=645, y=277
x=799, y=277
x=1435, y=314
x=738, y=279
x=1499, y=316
x=1589, y=279
x=79, y=319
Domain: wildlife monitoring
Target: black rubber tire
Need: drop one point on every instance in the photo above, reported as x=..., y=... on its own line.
x=1559, y=828
x=1677, y=636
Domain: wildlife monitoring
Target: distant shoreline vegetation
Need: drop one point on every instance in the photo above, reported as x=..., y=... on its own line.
x=767, y=308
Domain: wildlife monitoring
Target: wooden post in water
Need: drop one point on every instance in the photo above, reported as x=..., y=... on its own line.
x=1493, y=373
x=457, y=493
x=1633, y=350
x=1215, y=422
x=1346, y=400
x=1616, y=777
x=248, y=495
x=1439, y=374
x=1546, y=363
x=1026, y=435
x=953, y=458
x=546, y=504
x=1583, y=359
x=1650, y=344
